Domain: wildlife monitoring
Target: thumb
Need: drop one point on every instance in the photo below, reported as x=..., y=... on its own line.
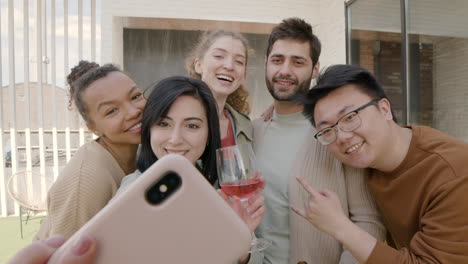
x=83, y=251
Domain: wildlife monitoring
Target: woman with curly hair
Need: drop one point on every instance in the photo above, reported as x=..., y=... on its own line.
x=220, y=60
x=111, y=104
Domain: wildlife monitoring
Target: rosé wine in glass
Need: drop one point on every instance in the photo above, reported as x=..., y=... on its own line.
x=239, y=179
x=243, y=189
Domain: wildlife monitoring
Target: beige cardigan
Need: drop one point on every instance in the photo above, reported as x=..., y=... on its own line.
x=83, y=188
x=322, y=170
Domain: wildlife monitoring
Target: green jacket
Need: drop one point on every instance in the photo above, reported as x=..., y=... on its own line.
x=242, y=126
x=243, y=131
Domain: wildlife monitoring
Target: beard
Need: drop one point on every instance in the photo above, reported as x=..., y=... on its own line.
x=300, y=89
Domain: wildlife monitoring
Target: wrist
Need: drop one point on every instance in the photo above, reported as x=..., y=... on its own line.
x=343, y=230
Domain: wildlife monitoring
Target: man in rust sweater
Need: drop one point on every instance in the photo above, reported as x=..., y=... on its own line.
x=419, y=178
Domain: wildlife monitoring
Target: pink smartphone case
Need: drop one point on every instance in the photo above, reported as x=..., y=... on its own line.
x=193, y=225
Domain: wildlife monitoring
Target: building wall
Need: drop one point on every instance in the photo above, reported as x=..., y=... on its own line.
x=327, y=17
x=450, y=91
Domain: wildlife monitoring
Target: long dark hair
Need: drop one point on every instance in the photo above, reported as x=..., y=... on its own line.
x=160, y=100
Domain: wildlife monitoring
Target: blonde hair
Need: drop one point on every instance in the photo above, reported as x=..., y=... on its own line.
x=239, y=98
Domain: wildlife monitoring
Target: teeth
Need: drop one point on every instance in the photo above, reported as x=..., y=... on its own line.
x=224, y=77
x=176, y=151
x=135, y=126
x=284, y=82
x=353, y=148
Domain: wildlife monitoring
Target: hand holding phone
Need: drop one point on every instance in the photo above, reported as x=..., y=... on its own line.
x=171, y=214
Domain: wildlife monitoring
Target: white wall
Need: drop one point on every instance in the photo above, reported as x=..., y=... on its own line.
x=327, y=17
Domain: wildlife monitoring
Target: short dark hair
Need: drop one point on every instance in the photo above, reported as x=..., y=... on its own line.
x=337, y=76
x=160, y=100
x=296, y=29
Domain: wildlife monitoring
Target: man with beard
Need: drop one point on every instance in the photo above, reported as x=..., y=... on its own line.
x=285, y=149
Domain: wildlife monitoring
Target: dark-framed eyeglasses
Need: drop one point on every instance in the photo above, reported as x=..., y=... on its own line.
x=347, y=123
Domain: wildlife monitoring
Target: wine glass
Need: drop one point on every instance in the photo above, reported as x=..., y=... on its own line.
x=239, y=179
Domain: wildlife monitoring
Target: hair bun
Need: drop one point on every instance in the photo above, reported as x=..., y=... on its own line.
x=76, y=72
x=79, y=70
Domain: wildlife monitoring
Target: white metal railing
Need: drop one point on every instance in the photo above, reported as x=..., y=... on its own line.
x=37, y=132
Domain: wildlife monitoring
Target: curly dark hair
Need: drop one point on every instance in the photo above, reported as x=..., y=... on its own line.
x=238, y=99
x=80, y=77
x=297, y=29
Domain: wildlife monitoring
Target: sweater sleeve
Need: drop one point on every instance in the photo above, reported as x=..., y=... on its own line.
x=443, y=233
x=362, y=209
x=76, y=198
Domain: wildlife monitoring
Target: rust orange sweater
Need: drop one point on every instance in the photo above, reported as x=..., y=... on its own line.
x=423, y=202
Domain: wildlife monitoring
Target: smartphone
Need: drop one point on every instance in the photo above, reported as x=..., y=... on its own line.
x=171, y=214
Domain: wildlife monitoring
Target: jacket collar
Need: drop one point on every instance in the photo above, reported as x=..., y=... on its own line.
x=241, y=123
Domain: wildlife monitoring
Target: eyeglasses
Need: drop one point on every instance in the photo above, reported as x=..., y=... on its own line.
x=347, y=123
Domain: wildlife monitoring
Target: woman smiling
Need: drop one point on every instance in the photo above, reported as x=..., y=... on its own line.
x=111, y=105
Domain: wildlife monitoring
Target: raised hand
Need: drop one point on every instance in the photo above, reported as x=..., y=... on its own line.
x=322, y=209
x=268, y=113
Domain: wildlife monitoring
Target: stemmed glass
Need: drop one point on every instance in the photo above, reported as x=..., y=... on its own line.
x=239, y=179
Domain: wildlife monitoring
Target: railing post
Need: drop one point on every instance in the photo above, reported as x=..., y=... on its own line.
x=12, y=89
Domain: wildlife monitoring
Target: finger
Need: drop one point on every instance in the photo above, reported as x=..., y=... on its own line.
x=257, y=203
x=332, y=196
x=255, y=219
x=253, y=211
x=298, y=211
x=255, y=198
x=262, y=181
x=38, y=252
x=328, y=193
x=307, y=187
x=259, y=213
x=83, y=251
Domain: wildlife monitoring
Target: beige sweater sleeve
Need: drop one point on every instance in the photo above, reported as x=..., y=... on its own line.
x=84, y=187
x=361, y=207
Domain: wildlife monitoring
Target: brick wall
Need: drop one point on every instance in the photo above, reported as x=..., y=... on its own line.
x=380, y=53
x=451, y=90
